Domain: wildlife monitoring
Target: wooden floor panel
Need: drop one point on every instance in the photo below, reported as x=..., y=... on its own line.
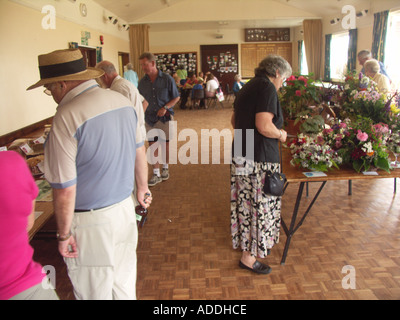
x=185, y=251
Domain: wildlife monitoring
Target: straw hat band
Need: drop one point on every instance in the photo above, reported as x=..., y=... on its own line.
x=62, y=69
x=64, y=65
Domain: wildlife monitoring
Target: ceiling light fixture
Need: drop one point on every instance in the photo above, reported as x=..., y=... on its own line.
x=362, y=13
x=335, y=21
x=113, y=20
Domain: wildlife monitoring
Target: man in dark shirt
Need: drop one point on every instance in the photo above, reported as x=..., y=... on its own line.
x=160, y=91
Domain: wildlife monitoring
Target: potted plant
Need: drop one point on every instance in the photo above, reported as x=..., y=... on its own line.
x=297, y=95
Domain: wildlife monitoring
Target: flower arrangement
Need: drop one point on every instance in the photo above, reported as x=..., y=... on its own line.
x=298, y=93
x=393, y=142
x=361, y=96
x=313, y=153
x=361, y=143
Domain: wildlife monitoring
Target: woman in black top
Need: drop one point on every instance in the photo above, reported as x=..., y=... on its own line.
x=257, y=120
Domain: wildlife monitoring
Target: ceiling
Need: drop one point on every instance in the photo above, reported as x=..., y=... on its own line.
x=160, y=14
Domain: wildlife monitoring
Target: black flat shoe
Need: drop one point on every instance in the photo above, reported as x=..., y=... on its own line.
x=258, y=267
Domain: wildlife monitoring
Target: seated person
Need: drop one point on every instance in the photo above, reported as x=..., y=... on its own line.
x=372, y=68
x=201, y=76
x=198, y=86
x=238, y=84
x=211, y=86
x=187, y=88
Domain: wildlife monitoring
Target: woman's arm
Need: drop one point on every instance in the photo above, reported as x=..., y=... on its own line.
x=266, y=127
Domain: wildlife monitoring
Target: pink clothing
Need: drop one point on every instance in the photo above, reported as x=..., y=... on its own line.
x=18, y=272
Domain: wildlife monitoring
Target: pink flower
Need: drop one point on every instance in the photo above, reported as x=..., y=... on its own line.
x=342, y=125
x=290, y=80
x=362, y=136
x=298, y=93
x=338, y=144
x=301, y=78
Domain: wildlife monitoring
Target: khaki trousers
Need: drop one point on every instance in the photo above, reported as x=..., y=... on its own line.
x=106, y=266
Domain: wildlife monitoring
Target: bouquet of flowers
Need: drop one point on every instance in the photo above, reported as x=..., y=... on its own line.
x=361, y=143
x=363, y=98
x=313, y=153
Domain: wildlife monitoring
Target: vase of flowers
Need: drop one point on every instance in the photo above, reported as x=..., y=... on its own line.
x=313, y=153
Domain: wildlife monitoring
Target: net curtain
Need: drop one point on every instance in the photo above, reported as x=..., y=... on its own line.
x=327, y=69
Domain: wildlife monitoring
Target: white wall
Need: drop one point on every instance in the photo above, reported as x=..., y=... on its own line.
x=23, y=39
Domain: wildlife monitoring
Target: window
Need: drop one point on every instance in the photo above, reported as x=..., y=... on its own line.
x=303, y=66
x=339, y=55
x=392, y=49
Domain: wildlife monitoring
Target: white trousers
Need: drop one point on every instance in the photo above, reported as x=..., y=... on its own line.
x=106, y=266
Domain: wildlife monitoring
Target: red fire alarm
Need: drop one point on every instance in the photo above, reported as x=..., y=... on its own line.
x=101, y=40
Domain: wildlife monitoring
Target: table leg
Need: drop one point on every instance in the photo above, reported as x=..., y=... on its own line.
x=289, y=233
x=293, y=228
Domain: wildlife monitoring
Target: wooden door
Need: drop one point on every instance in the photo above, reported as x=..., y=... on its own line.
x=89, y=55
x=123, y=60
x=222, y=61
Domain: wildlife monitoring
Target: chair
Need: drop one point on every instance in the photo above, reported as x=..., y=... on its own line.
x=228, y=92
x=214, y=102
x=198, y=95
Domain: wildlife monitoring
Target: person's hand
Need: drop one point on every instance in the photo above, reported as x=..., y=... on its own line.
x=68, y=248
x=145, y=198
x=161, y=113
x=283, y=136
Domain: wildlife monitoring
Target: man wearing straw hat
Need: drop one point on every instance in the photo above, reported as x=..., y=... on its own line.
x=93, y=154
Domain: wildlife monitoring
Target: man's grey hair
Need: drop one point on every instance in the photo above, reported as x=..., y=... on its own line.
x=107, y=67
x=272, y=63
x=148, y=55
x=364, y=54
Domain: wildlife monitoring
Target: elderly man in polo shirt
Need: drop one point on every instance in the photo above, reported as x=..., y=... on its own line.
x=112, y=80
x=160, y=91
x=93, y=153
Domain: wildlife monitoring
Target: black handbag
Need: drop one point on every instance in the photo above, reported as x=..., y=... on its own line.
x=274, y=183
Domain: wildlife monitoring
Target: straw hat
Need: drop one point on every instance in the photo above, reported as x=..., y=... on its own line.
x=64, y=65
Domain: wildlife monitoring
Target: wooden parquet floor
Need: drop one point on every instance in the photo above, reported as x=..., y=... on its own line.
x=185, y=252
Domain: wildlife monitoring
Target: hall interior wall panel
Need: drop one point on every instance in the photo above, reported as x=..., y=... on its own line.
x=253, y=53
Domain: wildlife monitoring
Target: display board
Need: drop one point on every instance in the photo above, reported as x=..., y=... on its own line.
x=168, y=62
x=253, y=53
x=266, y=34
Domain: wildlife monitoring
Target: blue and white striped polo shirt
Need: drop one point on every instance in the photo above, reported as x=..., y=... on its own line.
x=92, y=144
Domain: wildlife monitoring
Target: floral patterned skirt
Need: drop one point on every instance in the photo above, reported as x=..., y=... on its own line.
x=255, y=216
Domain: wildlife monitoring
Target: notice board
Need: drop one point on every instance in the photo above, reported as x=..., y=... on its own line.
x=169, y=62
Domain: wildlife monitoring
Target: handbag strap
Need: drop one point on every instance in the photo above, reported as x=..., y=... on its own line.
x=280, y=155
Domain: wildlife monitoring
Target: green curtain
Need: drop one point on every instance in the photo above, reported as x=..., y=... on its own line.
x=352, y=53
x=99, y=54
x=327, y=70
x=379, y=35
x=300, y=50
